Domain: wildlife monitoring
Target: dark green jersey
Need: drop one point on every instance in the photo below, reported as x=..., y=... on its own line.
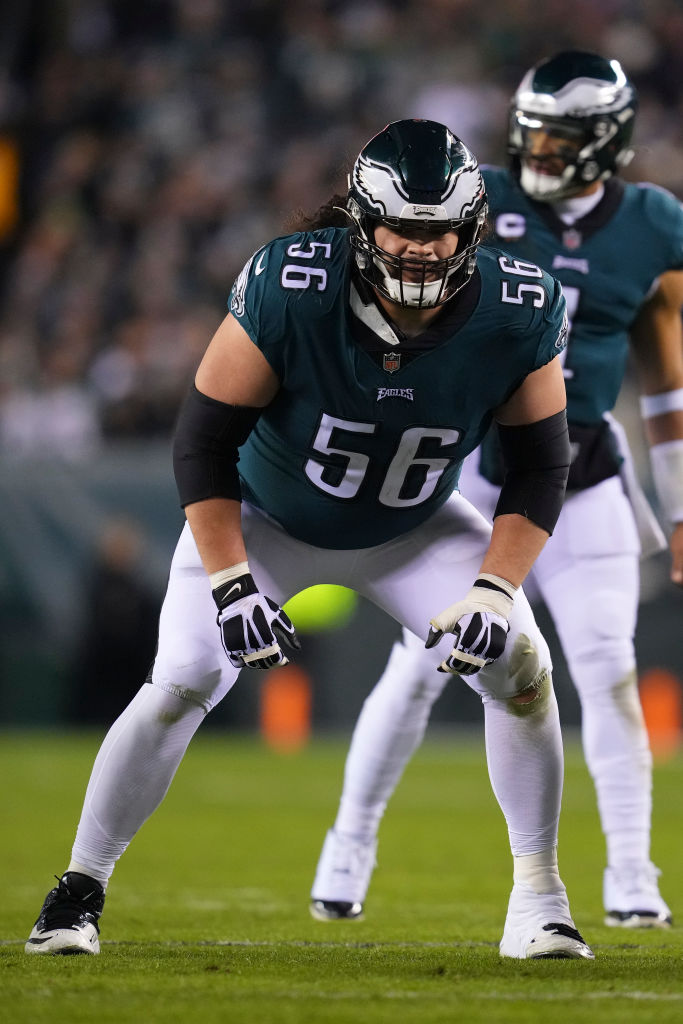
x=362, y=445
x=607, y=264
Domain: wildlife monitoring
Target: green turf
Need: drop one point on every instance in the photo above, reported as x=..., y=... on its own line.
x=206, y=917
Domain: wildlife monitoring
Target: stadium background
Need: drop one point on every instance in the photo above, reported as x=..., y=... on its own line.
x=146, y=149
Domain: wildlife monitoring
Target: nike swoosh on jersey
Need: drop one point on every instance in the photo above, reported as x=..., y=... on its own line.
x=259, y=268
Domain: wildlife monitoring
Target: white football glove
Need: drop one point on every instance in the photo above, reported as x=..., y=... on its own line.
x=479, y=624
x=253, y=627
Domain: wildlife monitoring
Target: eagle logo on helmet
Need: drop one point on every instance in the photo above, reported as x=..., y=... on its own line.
x=373, y=179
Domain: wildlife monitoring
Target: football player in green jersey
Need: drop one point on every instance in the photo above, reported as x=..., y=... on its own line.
x=350, y=378
x=618, y=251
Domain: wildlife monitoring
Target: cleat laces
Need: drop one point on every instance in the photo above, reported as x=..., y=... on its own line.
x=64, y=909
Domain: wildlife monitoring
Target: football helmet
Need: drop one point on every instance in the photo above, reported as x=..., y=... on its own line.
x=412, y=174
x=584, y=103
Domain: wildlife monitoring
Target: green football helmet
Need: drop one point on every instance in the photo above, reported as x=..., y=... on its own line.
x=586, y=102
x=416, y=173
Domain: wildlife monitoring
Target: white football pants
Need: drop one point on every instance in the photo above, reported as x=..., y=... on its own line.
x=588, y=576
x=412, y=578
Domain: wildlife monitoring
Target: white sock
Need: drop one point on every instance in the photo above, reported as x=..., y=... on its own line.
x=539, y=871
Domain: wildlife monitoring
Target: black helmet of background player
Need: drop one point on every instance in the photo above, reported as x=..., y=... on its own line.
x=585, y=101
x=416, y=174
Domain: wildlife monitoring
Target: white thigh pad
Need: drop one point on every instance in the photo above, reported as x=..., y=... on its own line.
x=597, y=521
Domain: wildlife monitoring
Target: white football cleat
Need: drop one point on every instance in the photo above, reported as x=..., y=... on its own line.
x=539, y=926
x=631, y=897
x=342, y=878
x=67, y=922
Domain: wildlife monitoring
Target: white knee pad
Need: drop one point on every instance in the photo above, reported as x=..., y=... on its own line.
x=524, y=669
x=196, y=682
x=527, y=685
x=608, y=690
x=190, y=660
x=601, y=663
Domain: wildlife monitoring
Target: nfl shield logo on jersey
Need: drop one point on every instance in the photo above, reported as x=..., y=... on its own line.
x=571, y=238
x=392, y=362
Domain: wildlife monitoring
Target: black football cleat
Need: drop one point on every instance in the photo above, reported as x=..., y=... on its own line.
x=67, y=923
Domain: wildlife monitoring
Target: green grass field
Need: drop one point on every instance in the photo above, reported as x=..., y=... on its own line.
x=207, y=920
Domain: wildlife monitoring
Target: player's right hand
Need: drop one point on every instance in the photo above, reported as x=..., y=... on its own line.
x=479, y=625
x=253, y=627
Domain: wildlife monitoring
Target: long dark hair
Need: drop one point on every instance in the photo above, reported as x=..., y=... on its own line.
x=332, y=214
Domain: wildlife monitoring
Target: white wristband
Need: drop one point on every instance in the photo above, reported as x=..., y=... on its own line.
x=493, y=599
x=665, y=401
x=225, y=575
x=667, y=472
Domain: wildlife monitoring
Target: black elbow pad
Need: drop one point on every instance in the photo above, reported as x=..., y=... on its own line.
x=207, y=437
x=536, y=457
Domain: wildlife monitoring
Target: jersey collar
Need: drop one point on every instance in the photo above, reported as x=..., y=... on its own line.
x=595, y=219
x=372, y=331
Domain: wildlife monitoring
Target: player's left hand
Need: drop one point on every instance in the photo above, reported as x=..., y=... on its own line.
x=479, y=624
x=254, y=629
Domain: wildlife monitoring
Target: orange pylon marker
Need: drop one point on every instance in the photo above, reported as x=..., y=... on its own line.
x=285, y=711
x=661, y=696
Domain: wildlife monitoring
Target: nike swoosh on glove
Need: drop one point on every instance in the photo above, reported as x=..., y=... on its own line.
x=479, y=624
x=253, y=627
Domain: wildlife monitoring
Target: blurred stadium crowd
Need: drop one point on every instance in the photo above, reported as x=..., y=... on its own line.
x=147, y=147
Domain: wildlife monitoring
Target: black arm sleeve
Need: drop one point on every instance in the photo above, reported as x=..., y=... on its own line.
x=537, y=457
x=207, y=436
